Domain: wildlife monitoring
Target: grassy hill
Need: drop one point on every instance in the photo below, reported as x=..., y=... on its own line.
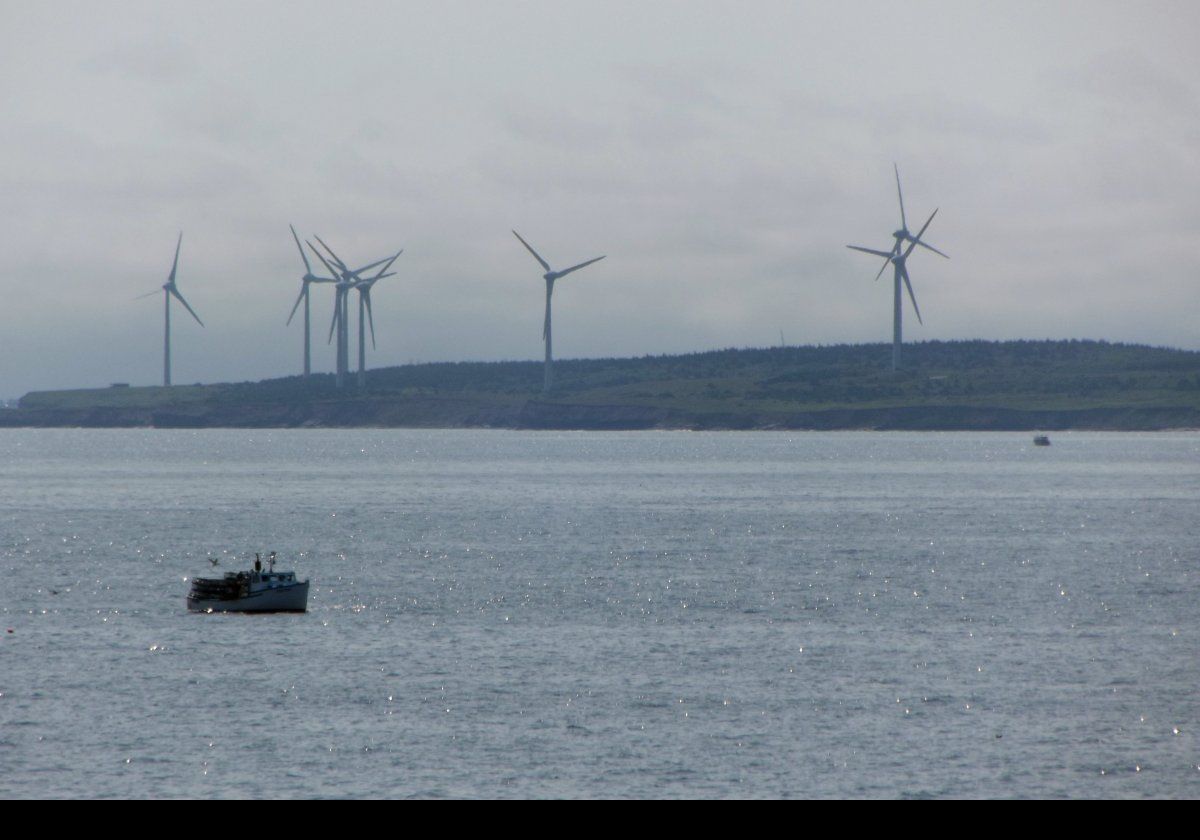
x=962, y=384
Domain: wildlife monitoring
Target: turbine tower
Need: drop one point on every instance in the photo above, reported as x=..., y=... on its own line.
x=550, y=276
x=171, y=290
x=898, y=257
x=305, y=281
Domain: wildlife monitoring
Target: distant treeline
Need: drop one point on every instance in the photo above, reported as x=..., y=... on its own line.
x=736, y=388
x=835, y=373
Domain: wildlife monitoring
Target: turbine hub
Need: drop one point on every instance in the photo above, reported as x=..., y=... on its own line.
x=902, y=234
x=551, y=276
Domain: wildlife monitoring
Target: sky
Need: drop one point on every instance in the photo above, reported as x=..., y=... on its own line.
x=721, y=155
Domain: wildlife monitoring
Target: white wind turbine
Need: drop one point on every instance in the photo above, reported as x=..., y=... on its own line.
x=347, y=280
x=170, y=290
x=305, y=281
x=898, y=257
x=363, y=287
x=550, y=276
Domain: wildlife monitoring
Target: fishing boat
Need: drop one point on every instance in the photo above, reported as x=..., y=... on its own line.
x=258, y=590
x=1041, y=440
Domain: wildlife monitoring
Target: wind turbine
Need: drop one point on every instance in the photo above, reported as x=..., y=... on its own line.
x=170, y=289
x=340, y=288
x=363, y=287
x=898, y=257
x=305, y=281
x=347, y=279
x=550, y=276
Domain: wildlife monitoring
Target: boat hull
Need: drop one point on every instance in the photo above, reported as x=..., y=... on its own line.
x=292, y=598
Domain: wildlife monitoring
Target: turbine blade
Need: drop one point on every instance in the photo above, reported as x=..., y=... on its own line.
x=887, y=255
x=536, y=255
x=882, y=267
x=917, y=238
x=370, y=315
x=368, y=267
x=381, y=273
x=911, y=296
x=340, y=264
x=156, y=291
x=931, y=248
x=186, y=305
x=337, y=312
x=567, y=271
x=903, y=221
x=303, y=256
x=175, y=265
x=324, y=262
x=296, y=305
x=371, y=281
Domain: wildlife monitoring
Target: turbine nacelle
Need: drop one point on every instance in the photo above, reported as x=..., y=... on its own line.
x=903, y=234
x=551, y=275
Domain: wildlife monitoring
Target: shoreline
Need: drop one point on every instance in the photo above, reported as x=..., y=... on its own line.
x=537, y=416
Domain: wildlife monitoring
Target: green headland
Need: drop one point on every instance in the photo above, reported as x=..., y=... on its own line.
x=980, y=385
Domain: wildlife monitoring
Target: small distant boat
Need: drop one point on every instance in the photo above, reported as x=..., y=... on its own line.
x=253, y=591
x=1041, y=440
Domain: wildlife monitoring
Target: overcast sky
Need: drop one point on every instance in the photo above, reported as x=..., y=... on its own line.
x=720, y=154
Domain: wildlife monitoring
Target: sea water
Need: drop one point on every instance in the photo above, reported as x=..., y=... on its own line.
x=509, y=614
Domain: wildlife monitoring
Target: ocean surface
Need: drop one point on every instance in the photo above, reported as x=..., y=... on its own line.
x=507, y=614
